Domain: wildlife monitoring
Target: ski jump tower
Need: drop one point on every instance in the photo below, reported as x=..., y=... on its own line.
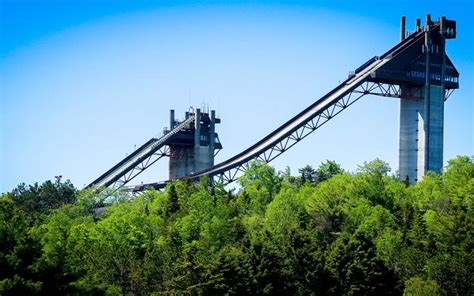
x=432, y=77
x=193, y=148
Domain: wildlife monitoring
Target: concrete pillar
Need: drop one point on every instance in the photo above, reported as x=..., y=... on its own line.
x=197, y=128
x=181, y=161
x=409, y=127
x=434, y=159
x=427, y=90
x=402, y=28
x=421, y=133
x=171, y=119
x=212, y=137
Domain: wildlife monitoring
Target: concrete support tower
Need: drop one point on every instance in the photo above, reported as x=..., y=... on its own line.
x=422, y=115
x=193, y=149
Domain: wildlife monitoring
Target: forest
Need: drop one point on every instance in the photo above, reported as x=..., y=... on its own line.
x=321, y=231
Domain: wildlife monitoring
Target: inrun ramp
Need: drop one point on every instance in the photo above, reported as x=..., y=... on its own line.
x=142, y=158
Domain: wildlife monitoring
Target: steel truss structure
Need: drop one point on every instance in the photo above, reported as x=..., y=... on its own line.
x=389, y=90
x=448, y=93
x=139, y=160
x=366, y=88
x=395, y=91
x=140, y=167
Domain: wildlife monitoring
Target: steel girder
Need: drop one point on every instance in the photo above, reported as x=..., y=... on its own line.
x=389, y=90
x=140, y=167
x=296, y=136
x=394, y=91
x=447, y=93
x=366, y=88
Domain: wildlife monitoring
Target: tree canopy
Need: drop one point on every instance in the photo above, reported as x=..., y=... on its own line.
x=323, y=232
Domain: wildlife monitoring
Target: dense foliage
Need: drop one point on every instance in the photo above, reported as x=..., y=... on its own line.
x=325, y=232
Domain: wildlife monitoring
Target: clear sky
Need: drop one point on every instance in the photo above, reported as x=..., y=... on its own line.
x=82, y=81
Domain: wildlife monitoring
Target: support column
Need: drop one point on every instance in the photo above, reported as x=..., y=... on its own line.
x=410, y=126
x=421, y=134
x=426, y=107
x=197, y=128
x=212, y=137
x=402, y=28
x=434, y=151
x=200, y=155
x=172, y=119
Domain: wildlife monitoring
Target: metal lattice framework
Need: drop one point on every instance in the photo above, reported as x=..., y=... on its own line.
x=447, y=93
x=395, y=91
x=389, y=90
x=140, y=167
x=366, y=88
x=139, y=160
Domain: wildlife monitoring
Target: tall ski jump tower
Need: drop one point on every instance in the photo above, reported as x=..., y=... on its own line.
x=422, y=112
x=426, y=77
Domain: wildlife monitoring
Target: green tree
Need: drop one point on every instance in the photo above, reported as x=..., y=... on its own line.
x=417, y=286
x=375, y=167
x=18, y=251
x=53, y=235
x=261, y=176
x=326, y=170
x=353, y=262
x=41, y=199
x=352, y=234
x=307, y=174
x=172, y=200
x=329, y=205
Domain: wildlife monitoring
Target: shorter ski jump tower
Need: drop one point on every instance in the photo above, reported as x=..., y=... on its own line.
x=417, y=71
x=192, y=149
x=190, y=144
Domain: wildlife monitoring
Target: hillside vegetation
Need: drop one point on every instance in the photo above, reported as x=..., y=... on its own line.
x=323, y=232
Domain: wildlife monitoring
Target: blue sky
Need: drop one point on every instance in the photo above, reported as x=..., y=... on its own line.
x=84, y=81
